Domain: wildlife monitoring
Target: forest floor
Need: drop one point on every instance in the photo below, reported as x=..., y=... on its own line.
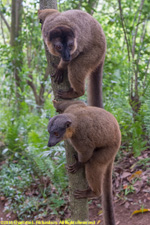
x=131, y=187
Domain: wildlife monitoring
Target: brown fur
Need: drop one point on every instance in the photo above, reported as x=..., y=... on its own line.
x=87, y=57
x=95, y=135
x=47, y=12
x=69, y=133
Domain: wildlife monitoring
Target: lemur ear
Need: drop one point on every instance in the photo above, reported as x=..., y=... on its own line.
x=68, y=123
x=55, y=103
x=42, y=14
x=56, y=106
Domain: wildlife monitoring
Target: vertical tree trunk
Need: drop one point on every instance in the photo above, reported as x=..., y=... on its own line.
x=16, y=22
x=79, y=208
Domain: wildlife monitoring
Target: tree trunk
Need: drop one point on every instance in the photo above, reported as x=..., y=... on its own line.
x=77, y=181
x=79, y=208
x=15, y=42
x=93, y=5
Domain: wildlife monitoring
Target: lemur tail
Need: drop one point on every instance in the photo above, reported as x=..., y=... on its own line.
x=95, y=87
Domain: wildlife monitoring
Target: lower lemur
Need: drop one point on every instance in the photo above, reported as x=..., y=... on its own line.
x=95, y=135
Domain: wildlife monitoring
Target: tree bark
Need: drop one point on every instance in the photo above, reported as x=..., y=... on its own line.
x=79, y=208
x=16, y=44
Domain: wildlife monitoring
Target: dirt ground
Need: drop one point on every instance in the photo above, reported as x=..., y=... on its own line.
x=131, y=191
x=123, y=211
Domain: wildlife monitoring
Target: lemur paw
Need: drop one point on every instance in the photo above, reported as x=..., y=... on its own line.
x=80, y=194
x=58, y=76
x=75, y=167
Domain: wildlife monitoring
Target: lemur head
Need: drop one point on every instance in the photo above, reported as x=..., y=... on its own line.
x=59, y=128
x=60, y=40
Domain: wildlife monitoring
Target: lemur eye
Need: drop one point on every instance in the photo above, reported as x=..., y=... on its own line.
x=56, y=134
x=70, y=46
x=58, y=47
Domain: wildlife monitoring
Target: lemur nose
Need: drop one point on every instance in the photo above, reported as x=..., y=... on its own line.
x=49, y=144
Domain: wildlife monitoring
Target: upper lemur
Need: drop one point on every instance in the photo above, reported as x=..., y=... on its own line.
x=95, y=135
x=78, y=39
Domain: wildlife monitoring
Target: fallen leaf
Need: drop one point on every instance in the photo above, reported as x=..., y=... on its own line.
x=117, y=182
x=140, y=211
x=125, y=174
x=132, y=167
x=138, y=186
x=125, y=186
x=147, y=190
x=127, y=204
x=135, y=175
x=8, y=215
x=100, y=212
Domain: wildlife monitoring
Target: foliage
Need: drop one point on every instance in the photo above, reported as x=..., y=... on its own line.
x=118, y=73
x=26, y=138
x=24, y=131
x=86, y=5
x=25, y=194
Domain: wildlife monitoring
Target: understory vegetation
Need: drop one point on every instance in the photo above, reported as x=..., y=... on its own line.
x=33, y=178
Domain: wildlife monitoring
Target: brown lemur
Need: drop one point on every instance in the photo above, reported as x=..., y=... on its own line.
x=96, y=137
x=78, y=39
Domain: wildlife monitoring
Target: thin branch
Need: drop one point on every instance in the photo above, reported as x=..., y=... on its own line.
x=5, y=21
x=42, y=87
x=136, y=82
x=136, y=30
x=3, y=32
x=93, y=5
x=144, y=83
x=79, y=5
x=140, y=48
x=33, y=87
x=131, y=89
x=124, y=29
x=38, y=96
x=2, y=79
x=135, y=16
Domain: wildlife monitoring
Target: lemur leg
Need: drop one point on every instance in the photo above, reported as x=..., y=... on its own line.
x=85, y=159
x=95, y=170
x=78, y=69
x=72, y=93
x=94, y=176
